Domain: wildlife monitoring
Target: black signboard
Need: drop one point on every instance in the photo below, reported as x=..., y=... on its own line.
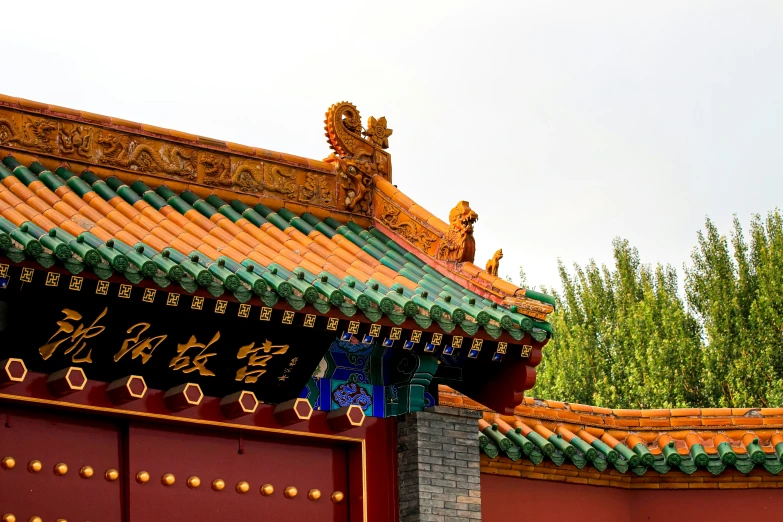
x=112, y=330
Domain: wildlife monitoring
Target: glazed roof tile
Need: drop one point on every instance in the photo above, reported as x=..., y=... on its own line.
x=171, y=234
x=600, y=438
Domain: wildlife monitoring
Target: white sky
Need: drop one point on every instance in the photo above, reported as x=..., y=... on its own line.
x=565, y=124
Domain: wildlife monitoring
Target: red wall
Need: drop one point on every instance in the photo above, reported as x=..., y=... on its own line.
x=505, y=498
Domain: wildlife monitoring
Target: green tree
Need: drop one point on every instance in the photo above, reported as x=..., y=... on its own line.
x=737, y=293
x=623, y=337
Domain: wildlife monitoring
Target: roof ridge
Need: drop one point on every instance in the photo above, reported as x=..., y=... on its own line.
x=623, y=418
x=148, y=129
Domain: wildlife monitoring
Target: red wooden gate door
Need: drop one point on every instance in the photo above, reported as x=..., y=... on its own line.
x=59, y=467
x=183, y=474
x=74, y=468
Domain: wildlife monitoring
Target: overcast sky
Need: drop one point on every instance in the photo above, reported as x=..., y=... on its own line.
x=565, y=124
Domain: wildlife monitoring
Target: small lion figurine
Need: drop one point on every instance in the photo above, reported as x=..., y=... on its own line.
x=494, y=264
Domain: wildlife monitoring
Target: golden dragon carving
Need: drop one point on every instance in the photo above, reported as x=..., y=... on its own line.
x=358, y=153
x=120, y=151
x=35, y=133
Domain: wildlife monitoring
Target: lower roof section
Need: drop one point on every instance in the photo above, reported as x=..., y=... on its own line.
x=628, y=446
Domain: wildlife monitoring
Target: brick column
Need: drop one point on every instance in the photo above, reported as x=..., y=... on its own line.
x=438, y=465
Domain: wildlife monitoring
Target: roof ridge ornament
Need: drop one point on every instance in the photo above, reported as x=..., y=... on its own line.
x=358, y=153
x=458, y=245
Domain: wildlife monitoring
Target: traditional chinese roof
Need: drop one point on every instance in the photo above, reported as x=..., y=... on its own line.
x=197, y=239
x=593, y=445
x=118, y=197
x=159, y=208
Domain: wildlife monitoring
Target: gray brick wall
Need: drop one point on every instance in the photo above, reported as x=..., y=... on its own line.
x=438, y=466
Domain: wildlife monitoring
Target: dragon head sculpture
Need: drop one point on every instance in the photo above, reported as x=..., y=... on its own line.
x=458, y=244
x=358, y=154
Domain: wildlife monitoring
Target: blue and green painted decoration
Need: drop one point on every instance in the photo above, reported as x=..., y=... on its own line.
x=384, y=381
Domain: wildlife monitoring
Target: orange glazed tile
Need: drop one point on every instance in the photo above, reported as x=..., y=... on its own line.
x=747, y=421
x=504, y=286
x=386, y=187
x=10, y=198
x=285, y=262
x=316, y=260
x=214, y=242
x=685, y=421
x=383, y=279
x=260, y=258
x=291, y=256
x=271, y=243
x=310, y=266
x=30, y=104
x=208, y=251
x=555, y=404
x=625, y=413
x=21, y=191
x=72, y=228
x=403, y=201
x=339, y=262
x=38, y=204
x=407, y=283
x=295, y=247
x=385, y=270
x=91, y=213
x=715, y=412
x=471, y=269
x=44, y=222
x=47, y=195
x=438, y=224
x=771, y=411
x=592, y=419
x=715, y=422
x=319, y=250
x=627, y=422
x=101, y=233
x=602, y=411
x=685, y=412
x=275, y=233
x=523, y=410
x=108, y=225
x=656, y=413
x=653, y=422
x=582, y=408
x=65, y=209
x=126, y=238
x=222, y=235
x=773, y=420
x=26, y=211
x=95, y=117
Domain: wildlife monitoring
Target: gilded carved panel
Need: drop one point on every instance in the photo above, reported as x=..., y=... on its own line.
x=145, y=155
x=97, y=145
x=266, y=178
x=27, y=131
x=417, y=234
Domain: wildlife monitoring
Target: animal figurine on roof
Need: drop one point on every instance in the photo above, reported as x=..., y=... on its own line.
x=493, y=265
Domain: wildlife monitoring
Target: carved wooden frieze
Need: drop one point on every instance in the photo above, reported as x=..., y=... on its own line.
x=98, y=145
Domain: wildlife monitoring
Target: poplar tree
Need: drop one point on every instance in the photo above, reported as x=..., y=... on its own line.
x=737, y=293
x=623, y=337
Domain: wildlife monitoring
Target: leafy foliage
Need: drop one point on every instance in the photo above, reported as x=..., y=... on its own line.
x=625, y=338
